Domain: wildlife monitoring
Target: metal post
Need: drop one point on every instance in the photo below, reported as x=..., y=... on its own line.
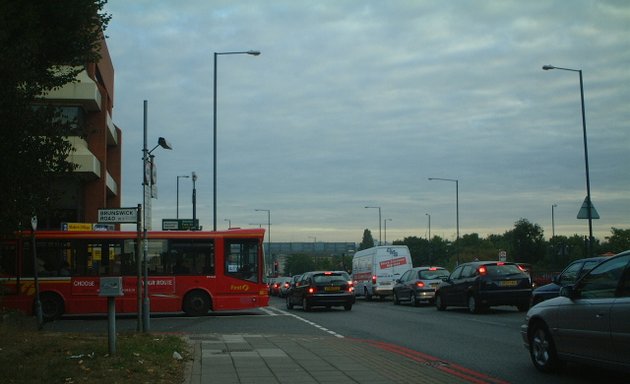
x=38, y=302
x=139, y=266
x=111, y=324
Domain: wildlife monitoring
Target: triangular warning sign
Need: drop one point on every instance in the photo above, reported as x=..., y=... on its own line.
x=583, y=214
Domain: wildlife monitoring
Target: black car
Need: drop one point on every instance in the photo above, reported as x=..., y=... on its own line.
x=569, y=275
x=322, y=289
x=418, y=284
x=482, y=284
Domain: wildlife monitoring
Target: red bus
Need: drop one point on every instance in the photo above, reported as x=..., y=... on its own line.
x=190, y=271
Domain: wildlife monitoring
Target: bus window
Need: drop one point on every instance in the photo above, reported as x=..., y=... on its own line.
x=241, y=259
x=53, y=259
x=8, y=256
x=190, y=257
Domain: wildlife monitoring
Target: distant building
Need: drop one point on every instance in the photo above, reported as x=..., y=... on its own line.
x=96, y=183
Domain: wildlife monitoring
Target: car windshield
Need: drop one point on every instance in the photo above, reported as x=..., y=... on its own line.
x=330, y=278
x=433, y=275
x=503, y=269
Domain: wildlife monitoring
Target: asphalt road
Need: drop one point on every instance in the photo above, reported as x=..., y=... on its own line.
x=489, y=343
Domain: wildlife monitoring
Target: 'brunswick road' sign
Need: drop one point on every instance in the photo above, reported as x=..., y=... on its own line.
x=118, y=215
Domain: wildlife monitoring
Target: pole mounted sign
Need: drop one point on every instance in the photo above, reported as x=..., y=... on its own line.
x=118, y=215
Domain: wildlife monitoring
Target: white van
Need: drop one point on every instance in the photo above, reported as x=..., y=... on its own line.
x=375, y=270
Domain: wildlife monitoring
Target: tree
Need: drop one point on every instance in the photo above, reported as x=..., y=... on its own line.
x=526, y=242
x=368, y=240
x=45, y=44
x=298, y=264
x=619, y=241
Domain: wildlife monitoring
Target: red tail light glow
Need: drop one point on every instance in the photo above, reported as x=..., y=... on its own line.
x=433, y=269
x=482, y=270
x=373, y=279
x=312, y=289
x=420, y=284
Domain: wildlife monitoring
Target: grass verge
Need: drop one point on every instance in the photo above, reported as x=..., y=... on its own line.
x=31, y=356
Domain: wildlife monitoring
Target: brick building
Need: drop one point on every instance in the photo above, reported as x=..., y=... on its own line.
x=96, y=183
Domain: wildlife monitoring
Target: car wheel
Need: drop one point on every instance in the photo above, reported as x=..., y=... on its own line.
x=439, y=304
x=473, y=305
x=347, y=307
x=305, y=305
x=196, y=303
x=396, y=299
x=542, y=350
x=412, y=300
x=289, y=303
x=52, y=306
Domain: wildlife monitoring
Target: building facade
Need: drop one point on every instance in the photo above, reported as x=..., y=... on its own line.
x=96, y=183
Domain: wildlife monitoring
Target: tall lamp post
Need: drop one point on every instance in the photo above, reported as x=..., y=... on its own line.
x=430, y=247
x=588, y=203
x=214, y=167
x=194, y=202
x=385, y=225
x=456, y=181
x=553, y=222
x=149, y=171
x=271, y=260
x=379, y=223
x=177, y=209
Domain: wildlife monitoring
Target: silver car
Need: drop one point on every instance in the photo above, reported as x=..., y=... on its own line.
x=588, y=323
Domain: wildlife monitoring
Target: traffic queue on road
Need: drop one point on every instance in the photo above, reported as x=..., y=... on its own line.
x=583, y=316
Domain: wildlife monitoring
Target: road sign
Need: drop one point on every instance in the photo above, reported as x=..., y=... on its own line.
x=502, y=255
x=179, y=224
x=118, y=215
x=583, y=213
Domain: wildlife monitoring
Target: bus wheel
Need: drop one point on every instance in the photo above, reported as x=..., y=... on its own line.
x=52, y=306
x=196, y=303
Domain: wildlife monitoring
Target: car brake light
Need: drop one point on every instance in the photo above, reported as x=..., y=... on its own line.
x=433, y=269
x=521, y=268
x=373, y=279
x=482, y=270
x=327, y=273
x=420, y=284
x=311, y=289
x=286, y=285
x=500, y=263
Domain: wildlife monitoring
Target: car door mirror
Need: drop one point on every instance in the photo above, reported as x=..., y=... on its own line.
x=569, y=291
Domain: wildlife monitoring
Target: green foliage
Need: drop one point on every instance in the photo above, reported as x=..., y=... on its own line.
x=45, y=44
x=367, y=241
x=619, y=241
x=298, y=264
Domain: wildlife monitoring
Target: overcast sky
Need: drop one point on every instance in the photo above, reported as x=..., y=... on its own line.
x=357, y=103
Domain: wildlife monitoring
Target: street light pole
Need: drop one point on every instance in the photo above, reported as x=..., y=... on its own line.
x=194, y=202
x=268, y=232
x=430, y=246
x=148, y=181
x=588, y=180
x=214, y=162
x=385, y=225
x=553, y=223
x=379, y=223
x=456, y=181
x=177, y=209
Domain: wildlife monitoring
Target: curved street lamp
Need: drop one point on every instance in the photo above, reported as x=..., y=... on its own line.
x=379, y=223
x=456, y=181
x=214, y=161
x=589, y=205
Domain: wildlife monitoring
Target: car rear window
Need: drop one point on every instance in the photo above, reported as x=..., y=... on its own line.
x=330, y=278
x=433, y=275
x=503, y=269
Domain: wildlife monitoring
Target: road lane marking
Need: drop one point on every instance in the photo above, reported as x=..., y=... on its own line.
x=311, y=323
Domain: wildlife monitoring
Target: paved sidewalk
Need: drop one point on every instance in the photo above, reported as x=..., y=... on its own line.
x=269, y=359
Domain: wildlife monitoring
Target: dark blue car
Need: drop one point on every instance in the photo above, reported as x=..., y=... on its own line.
x=569, y=275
